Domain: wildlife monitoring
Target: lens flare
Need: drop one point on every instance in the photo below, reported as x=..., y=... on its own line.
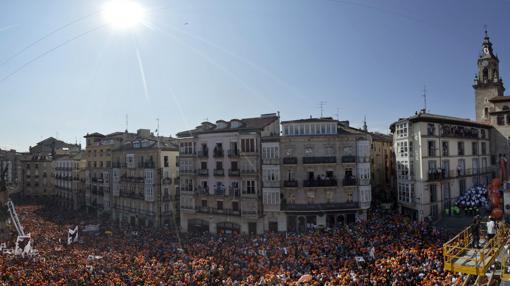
x=123, y=14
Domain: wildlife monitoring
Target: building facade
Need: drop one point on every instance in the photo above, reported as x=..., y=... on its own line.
x=98, y=154
x=438, y=158
x=491, y=105
x=37, y=166
x=382, y=166
x=144, y=182
x=69, y=180
x=10, y=160
x=221, y=175
x=325, y=171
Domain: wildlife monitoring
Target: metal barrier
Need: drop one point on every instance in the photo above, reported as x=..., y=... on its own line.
x=459, y=256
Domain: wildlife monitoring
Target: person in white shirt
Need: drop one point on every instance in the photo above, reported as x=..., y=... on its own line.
x=491, y=228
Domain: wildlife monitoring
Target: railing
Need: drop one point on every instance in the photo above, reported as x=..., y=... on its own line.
x=290, y=160
x=219, y=172
x=248, y=171
x=319, y=160
x=203, y=172
x=209, y=210
x=249, y=212
x=203, y=153
x=132, y=195
x=363, y=159
x=477, y=263
x=234, y=172
x=290, y=183
x=271, y=161
x=364, y=182
x=317, y=207
x=320, y=183
x=186, y=172
x=349, y=182
x=349, y=159
x=218, y=153
x=442, y=174
x=233, y=153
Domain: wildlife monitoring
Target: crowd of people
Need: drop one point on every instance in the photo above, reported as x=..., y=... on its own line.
x=387, y=249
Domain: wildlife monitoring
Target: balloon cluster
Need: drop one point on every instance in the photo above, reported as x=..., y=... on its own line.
x=475, y=197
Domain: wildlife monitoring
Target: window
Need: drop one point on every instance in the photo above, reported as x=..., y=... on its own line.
x=203, y=165
x=219, y=205
x=431, y=129
x=219, y=165
x=433, y=193
x=248, y=145
x=431, y=148
x=462, y=186
x=204, y=203
x=235, y=206
x=500, y=119
x=250, y=187
x=165, y=161
x=460, y=148
x=474, y=148
x=445, y=149
x=484, y=148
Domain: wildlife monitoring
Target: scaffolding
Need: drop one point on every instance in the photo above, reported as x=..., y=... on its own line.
x=460, y=256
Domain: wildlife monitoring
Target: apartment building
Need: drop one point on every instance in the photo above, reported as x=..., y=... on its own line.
x=325, y=171
x=10, y=160
x=37, y=166
x=144, y=182
x=221, y=175
x=98, y=154
x=382, y=166
x=438, y=158
x=69, y=180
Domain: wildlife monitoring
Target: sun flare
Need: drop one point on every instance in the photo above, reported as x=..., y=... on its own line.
x=123, y=14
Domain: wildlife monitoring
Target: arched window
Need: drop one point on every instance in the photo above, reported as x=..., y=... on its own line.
x=485, y=75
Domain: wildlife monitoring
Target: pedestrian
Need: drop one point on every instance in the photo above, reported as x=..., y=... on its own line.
x=491, y=228
x=475, y=232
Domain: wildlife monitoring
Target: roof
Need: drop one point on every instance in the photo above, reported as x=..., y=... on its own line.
x=428, y=117
x=376, y=136
x=500, y=99
x=308, y=120
x=95, y=134
x=254, y=123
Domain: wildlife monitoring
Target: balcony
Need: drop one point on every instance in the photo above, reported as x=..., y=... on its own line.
x=203, y=153
x=218, y=153
x=248, y=172
x=319, y=207
x=349, y=159
x=290, y=183
x=320, y=183
x=233, y=153
x=219, y=172
x=364, y=182
x=319, y=160
x=209, y=210
x=349, y=181
x=290, y=160
x=147, y=165
x=203, y=172
x=234, y=172
x=234, y=192
x=249, y=212
x=186, y=172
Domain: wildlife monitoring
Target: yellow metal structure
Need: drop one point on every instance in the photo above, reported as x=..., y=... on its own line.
x=459, y=256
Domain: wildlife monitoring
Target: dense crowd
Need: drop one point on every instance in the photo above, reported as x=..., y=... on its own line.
x=395, y=251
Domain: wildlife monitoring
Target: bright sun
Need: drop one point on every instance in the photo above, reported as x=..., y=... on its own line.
x=123, y=14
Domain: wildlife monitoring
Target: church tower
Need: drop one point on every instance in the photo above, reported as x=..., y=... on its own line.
x=487, y=83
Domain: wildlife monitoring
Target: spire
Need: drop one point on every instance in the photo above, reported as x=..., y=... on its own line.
x=365, y=127
x=487, y=51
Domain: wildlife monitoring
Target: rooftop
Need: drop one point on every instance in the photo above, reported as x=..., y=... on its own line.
x=234, y=125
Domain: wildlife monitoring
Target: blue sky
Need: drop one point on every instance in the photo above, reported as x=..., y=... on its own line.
x=222, y=59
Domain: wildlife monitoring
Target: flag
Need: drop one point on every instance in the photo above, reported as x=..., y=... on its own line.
x=72, y=235
x=23, y=245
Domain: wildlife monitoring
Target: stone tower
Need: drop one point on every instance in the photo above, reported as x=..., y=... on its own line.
x=487, y=83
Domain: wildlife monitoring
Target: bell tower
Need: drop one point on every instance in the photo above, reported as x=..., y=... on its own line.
x=487, y=82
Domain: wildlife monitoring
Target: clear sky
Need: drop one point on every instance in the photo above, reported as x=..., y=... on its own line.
x=220, y=59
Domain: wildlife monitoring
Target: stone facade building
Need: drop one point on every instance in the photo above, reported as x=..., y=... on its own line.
x=10, y=159
x=69, y=180
x=382, y=166
x=144, y=182
x=491, y=105
x=37, y=166
x=221, y=175
x=325, y=172
x=438, y=158
x=99, y=148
